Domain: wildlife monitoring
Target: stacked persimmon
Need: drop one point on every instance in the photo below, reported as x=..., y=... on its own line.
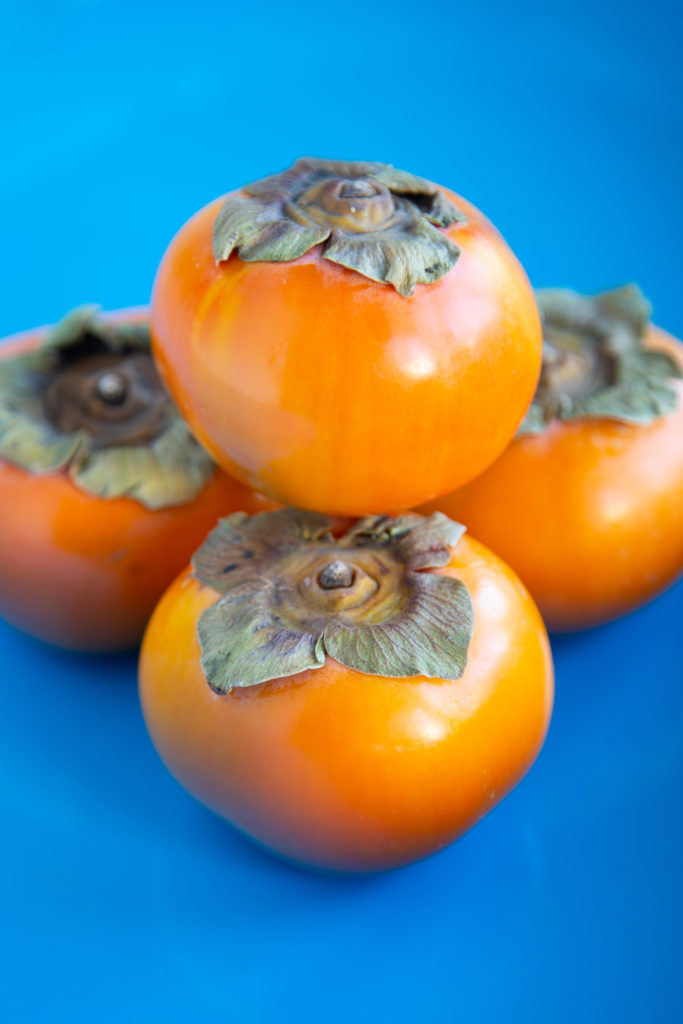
x=351, y=340
x=350, y=683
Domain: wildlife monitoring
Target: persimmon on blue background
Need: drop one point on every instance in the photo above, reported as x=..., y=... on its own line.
x=122, y=899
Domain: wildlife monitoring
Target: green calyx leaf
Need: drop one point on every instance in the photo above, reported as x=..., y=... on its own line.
x=171, y=469
x=419, y=256
x=429, y=637
x=595, y=364
x=88, y=401
x=370, y=217
x=257, y=234
x=291, y=594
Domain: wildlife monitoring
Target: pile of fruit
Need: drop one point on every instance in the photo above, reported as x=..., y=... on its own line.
x=345, y=368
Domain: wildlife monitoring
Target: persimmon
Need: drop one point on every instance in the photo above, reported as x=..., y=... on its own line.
x=586, y=504
x=104, y=494
x=353, y=703
x=346, y=337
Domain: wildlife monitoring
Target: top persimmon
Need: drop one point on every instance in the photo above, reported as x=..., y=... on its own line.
x=346, y=337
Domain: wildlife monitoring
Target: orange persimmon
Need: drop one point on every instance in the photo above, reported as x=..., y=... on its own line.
x=84, y=571
x=346, y=337
x=334, y=766
x=587, y=507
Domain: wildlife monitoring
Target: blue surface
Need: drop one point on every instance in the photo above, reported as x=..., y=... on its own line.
x=122, y=899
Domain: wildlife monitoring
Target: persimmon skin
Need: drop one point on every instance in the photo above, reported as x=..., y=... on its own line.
x=342, y=771
x=588, y=514
x=83, y=572
x=319, y=387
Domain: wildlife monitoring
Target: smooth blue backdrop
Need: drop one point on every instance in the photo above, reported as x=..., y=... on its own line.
x=122, y=899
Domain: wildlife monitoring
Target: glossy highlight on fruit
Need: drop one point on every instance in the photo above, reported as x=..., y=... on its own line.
x=588, y=510
x=332, y=767
x=84, y=572
x=345, y=337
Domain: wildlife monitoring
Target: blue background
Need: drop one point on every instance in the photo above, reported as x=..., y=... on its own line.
x=120, y=897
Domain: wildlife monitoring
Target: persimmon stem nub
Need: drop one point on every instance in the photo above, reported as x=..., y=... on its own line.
x=111, y=387
x=358, y=189
x=336, y=575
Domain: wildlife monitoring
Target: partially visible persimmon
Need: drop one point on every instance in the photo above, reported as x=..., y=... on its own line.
x=586, y=505
x=346, y=337
x=352, y=703
x=95, y=521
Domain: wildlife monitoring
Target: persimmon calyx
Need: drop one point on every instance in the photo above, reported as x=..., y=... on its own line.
x=89, y=401
x=595, y=364
x=370, y=217
x=292, y=594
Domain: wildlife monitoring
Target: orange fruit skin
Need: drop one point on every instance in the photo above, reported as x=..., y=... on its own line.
x=331, y=392
x=343, y=771
x=588, y=514
x=84, y=572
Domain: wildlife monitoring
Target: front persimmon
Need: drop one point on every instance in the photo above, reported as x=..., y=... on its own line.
x=586, y=505
x=355, y=703
x=95, y=521
x=324, y=329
